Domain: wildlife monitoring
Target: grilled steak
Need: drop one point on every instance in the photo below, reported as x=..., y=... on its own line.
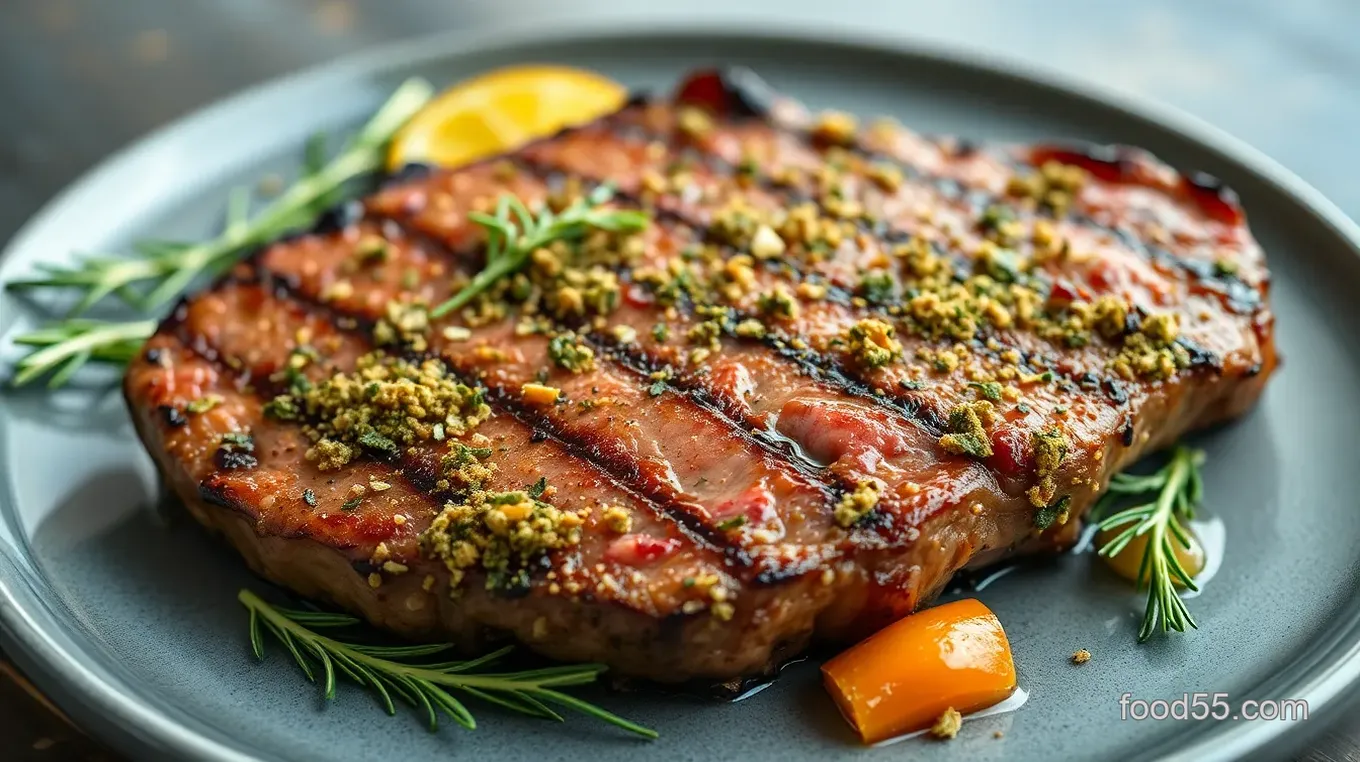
x=841, y=364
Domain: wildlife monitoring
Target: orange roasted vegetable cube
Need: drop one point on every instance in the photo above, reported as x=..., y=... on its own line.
x=905, y=676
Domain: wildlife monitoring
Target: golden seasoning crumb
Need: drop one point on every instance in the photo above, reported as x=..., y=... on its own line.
x=399, y=519
x=384, y=404
x=1108, y=316
x=1081, y=656
x=836, y=127
x=750, y=328
x=375, y=580
x=1152, y=353
x=427, y=584
x=811, y=291
x=855, y=505
x=392, y=567
x=357, y=489
x=624, y=334
x=654, y=182
x=456, y=333
x=617, y=519
x=1050, y=450
x=1043, y=233
x=371, y=248
x=380, y=553
x=694, y=122
x=538, y=394
x=570, y=353
x=766, y=244
x=778, y=303
x=947, y=725
x=378, y=486
x=967, y=429
x=500, y=532
x=540, y=628
x=341, y=289
x=871, y=343
x=828, y=576
x=975, y=509
x=886, y=176
x=998, y=734
x=723, y=611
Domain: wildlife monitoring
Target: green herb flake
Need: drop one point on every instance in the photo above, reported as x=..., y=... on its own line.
x=878, y=287
x=733, y=523
x=569, y=353
x=309, y=497
x=375, y=441
x=539, y=487
x=990, y=390
x=351, y=503
x=1055, y=512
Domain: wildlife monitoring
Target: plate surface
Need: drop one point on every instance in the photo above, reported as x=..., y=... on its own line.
x=127, y=612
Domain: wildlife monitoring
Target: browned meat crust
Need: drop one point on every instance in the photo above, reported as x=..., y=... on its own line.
x=774, y=428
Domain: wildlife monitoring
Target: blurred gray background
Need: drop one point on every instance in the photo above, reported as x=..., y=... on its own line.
x=79, y=79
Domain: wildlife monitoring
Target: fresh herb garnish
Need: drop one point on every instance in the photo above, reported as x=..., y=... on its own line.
x=736, y=522
x=990, y=390
x=538, y=488
x=377, y=442
x=204, y=404
x=160, y=270
x=352, y=503
x=1178, y=487
x=657, y=388
x=429, y=687
x=309, y=497
x=513, y=233
x=1052, y=512
x=64, y=347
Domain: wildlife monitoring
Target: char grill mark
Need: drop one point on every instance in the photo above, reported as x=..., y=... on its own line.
x=547, y=158
x=893, y=396
x=1110, y=163
x=266, y=301
x=271, y=495
x=767, y=474
x=420, y=469
x=462, y=248
x=966, y=196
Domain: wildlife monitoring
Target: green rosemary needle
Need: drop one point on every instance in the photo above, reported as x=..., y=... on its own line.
x=64, y=347
x=406, y=672
x=162, y=269
x=1178, y=488
x=514, y=232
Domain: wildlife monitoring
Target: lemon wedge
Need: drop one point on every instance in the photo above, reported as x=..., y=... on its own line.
x=501, y=109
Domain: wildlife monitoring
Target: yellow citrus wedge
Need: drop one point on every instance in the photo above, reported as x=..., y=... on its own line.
x=502, y=109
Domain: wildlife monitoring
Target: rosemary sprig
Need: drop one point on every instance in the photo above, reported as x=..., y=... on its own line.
x=1178, y=487
x=427, y=686
x=62, y=348
x=162, y=269
x=168, y=267
x=513, y=233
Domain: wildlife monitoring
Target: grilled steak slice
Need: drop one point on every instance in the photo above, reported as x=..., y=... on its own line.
x=840, y=365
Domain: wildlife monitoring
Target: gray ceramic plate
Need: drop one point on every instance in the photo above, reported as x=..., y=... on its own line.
x=128, y=615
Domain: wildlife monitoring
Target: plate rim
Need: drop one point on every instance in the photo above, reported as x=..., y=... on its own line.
x=1332, y=669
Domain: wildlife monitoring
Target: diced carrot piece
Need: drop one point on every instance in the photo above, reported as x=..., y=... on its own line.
x=905, y=676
